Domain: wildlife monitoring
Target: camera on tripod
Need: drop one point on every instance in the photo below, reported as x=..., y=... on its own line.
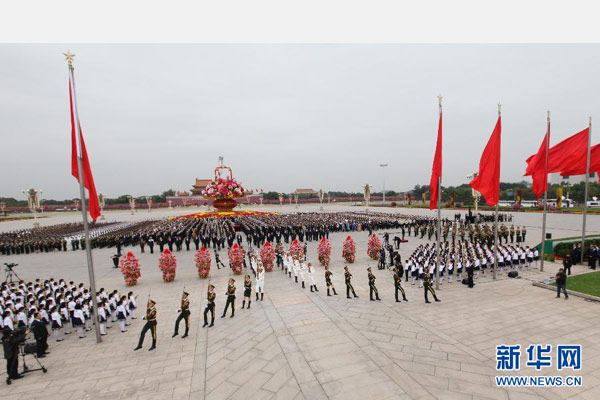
x=10, y=273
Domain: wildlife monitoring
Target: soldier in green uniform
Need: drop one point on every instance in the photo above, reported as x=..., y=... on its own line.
x=328, y=283
x=518, y=235
x=184, y=314
x=372, y=288
x=230, y=298
x=428, y=288
x=149, y=326
x=348, y=279
x=398, y=285
x=210, y=306
x=512, y=233
x=523, y=232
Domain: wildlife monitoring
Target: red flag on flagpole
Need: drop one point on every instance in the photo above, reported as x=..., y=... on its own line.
x=436, y=171
x=487, y=181
x=540, y=167
x=566, y=155
x=78, y=150
x=581, y=167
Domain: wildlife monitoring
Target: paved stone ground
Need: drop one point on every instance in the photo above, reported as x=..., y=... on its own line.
x=302, y=345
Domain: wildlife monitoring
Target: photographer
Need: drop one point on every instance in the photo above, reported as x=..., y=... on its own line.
x=11, y=342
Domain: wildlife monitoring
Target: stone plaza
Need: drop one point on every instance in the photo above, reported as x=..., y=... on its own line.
x=301, y=345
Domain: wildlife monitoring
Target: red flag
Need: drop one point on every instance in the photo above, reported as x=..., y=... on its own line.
x=565, y=155
x=78, y=150
x=581, y=166
x=540, y=167
x=436, y=171
x=487, y=181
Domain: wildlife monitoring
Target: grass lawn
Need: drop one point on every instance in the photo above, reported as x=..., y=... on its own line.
x=585, y=283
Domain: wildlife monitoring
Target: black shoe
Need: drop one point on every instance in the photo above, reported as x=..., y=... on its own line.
x=405, y=299
x=151, y=348
x=16, y=377
x=41, y=356
x=206, y=323
x=223, y=316
x=231, y=316
x=398, y=301
x=137, y=348
x=348, y=297
x=175, y=334
x=427, y=302
x=372, y=299
x=211, y=325
x=437, y=300
x=184, y=336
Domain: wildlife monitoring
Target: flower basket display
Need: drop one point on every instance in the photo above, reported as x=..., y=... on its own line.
x=223, y=189
x=349, y=250
x=236, y=258
x=324, y=252
x=130, y=268
x=167, y=264
x=203, y=261
x=296, y=250
x=374, y=246
x=267, y=255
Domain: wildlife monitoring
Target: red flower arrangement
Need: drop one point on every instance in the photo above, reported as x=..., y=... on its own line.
x=167, y=264
x=374, y=246
x=203, y=261
x=130, y=268
x=267, y=255
x=349, y=250
x=236, y=258
x=223, y=188
x=296, y=250
x=324, y=252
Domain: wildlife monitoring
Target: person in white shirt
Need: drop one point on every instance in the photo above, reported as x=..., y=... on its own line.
x=102, y=317
x=132, y=305
x=56, y=324
x=302, y=271
x=311, y=278
x=121, y=315
x=259, y=286
x=79, y=321
x=8, y=321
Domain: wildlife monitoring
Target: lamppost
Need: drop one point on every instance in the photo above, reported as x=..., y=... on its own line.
x=33, y=200
x=321, y=197
x=170, y=204
x=291, y=195
x=3, y=208
x=131, y=200
x=281, y=197
x=149, y=202
x=383, y=169
x=296, y=199
x=328, y=197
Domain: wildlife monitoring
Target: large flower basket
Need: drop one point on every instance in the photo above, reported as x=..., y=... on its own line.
x=236, y=258
x=203, y=261
x=167, y=264
x=130, y=268
x=223, y=189
x=267, y=255
x=324, y=252
x=349, y=250
x=374, y=246
x=296, y=250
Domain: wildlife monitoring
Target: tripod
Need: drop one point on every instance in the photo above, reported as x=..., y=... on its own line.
x=11, y=275
x=26, y=369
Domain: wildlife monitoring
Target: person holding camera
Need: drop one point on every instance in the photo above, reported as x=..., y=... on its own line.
x=11, y=342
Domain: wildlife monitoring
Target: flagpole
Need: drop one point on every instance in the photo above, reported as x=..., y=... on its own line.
x=496, y=221
x=543, y=252
x=439, y=221
x=587, y=180
x=88, y=247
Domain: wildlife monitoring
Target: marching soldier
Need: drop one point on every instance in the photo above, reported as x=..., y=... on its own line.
x=428, y=287
x=512, y=233
x=184, y=314
x=210, y=306
x=372, y=288
x=398, y=285
x=328, y=275
x=523, y=233
x=149, y=326
x=248, y=292
x=230, y=298
x=260, y=283
x=349, y=287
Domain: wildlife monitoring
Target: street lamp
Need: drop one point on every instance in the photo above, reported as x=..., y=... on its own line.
x=101, y=203
x=131, y=203
x=383, y=169
x=149, y=202
x=476, y=195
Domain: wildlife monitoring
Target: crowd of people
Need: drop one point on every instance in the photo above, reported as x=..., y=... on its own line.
x=59, y=308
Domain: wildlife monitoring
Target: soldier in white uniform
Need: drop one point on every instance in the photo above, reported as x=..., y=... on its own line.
x=260, y=283
x=302, y=270
x=311, y=278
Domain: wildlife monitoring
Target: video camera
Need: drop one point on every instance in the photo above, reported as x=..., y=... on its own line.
x=10, y=266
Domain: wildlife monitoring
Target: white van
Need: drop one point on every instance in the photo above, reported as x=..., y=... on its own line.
x=593, y=203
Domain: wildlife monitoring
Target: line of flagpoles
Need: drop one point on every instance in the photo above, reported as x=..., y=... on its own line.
x=487, y=181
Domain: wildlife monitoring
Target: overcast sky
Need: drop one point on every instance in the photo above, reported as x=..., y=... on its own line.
x=284, y=116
